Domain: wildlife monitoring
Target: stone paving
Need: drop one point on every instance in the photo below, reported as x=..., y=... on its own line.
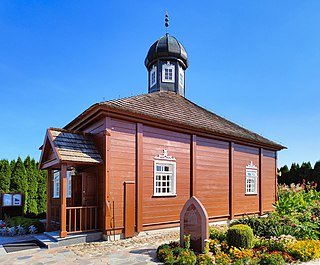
x=137, y=251
x=62, y=255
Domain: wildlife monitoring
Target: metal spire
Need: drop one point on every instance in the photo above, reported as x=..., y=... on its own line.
x=166, y=20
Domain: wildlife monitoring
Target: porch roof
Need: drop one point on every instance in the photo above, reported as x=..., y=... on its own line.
x=64, y=146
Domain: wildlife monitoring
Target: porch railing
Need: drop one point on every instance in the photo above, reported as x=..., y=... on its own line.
x=82, y=219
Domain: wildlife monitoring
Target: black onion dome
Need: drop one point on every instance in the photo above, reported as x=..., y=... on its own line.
x=167, y=47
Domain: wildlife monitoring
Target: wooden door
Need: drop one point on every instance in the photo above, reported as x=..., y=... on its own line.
x=76, y=190
x=89, y=189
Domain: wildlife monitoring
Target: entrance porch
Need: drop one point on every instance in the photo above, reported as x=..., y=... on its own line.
x=72, y=162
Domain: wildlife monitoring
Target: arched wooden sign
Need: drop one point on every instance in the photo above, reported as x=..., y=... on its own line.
x=194, y=222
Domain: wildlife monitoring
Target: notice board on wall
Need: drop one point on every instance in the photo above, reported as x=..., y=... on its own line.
x=11, y=204
x=11, y=199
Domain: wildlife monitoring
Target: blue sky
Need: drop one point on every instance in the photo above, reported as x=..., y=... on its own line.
x=256, y=63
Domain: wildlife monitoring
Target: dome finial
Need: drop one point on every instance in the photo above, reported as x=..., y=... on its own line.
x=166, y=20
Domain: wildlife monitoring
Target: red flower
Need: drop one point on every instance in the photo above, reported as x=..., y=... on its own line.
x=294, y=225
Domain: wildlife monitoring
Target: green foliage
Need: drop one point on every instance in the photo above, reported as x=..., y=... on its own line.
x=297, y=174
x=204, y=259
x=240, y=236
x=19, y=181
x=30, y=166
x=186, y=241
x=25, y=222
x=5, y=175
x=299, y=208
x=284, y=229
x=218, y=232
x=173, y=254
x=271, y=259
x=42, y=190
x=261, y=226
x=24, y=176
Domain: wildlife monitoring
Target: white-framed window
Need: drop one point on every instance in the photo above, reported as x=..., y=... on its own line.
x=164, y=178
x=168, y=73
x=181, y=77
x=153, y=76
x=68, y=184
x=56, y=184
x=251, y=179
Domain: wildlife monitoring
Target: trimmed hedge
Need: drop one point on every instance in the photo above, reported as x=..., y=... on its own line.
x=240, y=236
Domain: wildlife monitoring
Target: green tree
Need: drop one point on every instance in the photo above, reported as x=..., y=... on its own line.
x=316, y=173
x=305, y=172
x=294, y=174
x=19, y=182
x=31, y=174
x=5, y=175
x=42, y=191
x=284, y=176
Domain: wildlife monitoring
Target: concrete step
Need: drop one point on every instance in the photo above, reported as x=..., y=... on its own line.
x=47, y=241
x=52, y=239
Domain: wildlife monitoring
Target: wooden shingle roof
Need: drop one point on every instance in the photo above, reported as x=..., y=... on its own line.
x=73, y=146
x=169, y=106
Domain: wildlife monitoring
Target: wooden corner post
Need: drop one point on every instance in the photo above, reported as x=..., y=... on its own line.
x=193, y=166
x=231, y=180
x=63, y=200
x=260, y=180
x=139, y=177
x=106, y=181
x=49, y=196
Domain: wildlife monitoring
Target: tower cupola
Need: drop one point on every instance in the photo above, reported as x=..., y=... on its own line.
x=166, y=62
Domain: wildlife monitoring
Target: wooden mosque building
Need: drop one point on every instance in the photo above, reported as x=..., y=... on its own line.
x=129, y=165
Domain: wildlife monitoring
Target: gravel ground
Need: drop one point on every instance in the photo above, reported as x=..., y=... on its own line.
x=130, y=243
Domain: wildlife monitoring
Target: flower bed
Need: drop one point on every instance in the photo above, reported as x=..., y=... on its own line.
x=19, y=226
x=288, y=235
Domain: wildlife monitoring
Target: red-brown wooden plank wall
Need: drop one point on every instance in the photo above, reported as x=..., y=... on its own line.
x=244, y=204
x=165, y=209
x=212, y=173
x=268, y=171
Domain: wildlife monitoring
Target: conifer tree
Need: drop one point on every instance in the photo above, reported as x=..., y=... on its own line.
x=5, y=175
x=31, y=174
x=19, y=182
x=42, y=191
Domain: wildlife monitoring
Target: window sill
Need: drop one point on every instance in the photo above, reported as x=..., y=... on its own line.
x=164, y=195
x=251, y=194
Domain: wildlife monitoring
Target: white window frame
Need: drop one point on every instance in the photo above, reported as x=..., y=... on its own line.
x=181, y=77
x=56, y=184
x=153, y=73
x=172, y=178
x=69, y=184
x=251, y=179
x=168, y=67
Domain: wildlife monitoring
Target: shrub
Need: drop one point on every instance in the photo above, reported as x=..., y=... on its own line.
x=261, y=226
x=240, y=236
x=24, y=222
x=163, y=251
x=304, y=250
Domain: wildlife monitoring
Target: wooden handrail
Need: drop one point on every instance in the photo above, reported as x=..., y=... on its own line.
x=82, y=219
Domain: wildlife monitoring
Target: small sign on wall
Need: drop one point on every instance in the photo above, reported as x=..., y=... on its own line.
x=9, y=199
